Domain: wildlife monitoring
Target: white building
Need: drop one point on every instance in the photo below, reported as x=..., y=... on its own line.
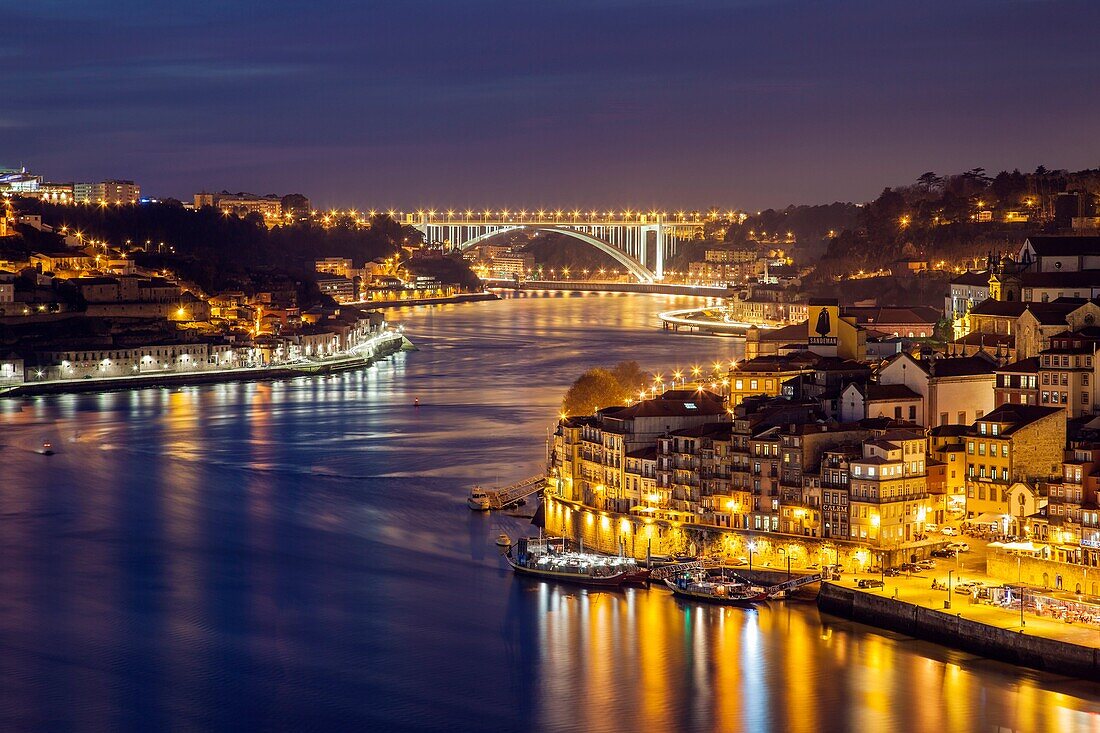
x=955, y=391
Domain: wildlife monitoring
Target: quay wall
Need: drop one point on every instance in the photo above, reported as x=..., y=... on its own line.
x=442, y=300
x=335, y=366
x=953, y=630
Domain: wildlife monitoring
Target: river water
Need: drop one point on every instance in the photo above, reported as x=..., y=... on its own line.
x=297, y=555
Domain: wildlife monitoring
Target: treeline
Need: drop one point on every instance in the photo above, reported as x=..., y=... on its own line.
x=216, y=251
x=939, y=217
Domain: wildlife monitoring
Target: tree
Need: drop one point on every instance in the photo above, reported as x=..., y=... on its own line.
x=930, y=181
x=598, y=388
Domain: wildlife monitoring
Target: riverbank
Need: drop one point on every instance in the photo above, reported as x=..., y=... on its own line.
x=768, y=554
x=383, y=348
x=1029, y=646
x=442, y=300
x=703, y=291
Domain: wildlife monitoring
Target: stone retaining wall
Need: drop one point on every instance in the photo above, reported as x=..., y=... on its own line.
x=951, y=630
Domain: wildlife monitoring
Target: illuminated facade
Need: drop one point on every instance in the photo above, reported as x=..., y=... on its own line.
x=106, y=192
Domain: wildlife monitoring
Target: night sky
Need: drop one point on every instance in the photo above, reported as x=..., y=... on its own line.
x=557, y=103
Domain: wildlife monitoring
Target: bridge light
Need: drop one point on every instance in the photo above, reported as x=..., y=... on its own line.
x=469, y=213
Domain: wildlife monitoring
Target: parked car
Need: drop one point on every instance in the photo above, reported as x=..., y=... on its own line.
x=968, y=587
x=959, y=546
x=908, y=567
x=946, y=552
x=926, y=564
x=950, y=532
x=870, y=583
x=891, y=572
x=931, y=527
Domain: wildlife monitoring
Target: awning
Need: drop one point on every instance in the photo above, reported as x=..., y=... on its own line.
x=1028, y=546
x=986, y=518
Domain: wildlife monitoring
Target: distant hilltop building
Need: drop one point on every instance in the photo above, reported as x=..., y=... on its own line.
x=107, y=192
x=19, y=182
x=271, y=207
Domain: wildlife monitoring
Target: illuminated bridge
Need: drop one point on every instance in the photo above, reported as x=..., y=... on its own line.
x=626, y=236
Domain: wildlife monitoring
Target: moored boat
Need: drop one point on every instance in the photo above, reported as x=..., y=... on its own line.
x=703, y=588
x=478, y=500
x=549, y=559
x=504, y=540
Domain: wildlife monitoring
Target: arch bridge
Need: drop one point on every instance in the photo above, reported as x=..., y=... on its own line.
x=625, y=237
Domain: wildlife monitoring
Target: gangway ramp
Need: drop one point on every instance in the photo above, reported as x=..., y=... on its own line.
x=509, y=495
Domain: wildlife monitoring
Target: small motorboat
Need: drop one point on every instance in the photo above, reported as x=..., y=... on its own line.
x=478, y=500
x=47, y=448
x=504, y=540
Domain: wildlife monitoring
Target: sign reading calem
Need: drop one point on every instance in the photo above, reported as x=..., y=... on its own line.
x=824, y=322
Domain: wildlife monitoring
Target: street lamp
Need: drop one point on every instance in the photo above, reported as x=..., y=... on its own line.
x=752, y=549
x=948, y=603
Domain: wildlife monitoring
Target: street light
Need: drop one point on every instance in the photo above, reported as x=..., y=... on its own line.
x=752, y=549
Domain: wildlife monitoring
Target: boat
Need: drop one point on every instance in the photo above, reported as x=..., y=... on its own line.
x=47, y=448
x=504, y=540
x=550, y=560
x=478, y=500
x=701, y=587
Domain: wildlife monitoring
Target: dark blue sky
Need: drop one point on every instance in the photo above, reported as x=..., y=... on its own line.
x=737, y=103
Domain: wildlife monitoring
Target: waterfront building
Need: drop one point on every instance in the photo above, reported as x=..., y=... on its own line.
x=341, y=289
x=947, y=451
x=11, y=370
x=802, y=448
x=512, y=265
x=106, y=192
x=1010, y=453
x=589, y=456
x=888, y=500
x=835, y=481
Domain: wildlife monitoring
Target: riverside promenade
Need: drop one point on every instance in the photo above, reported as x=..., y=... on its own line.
x=378, y=347
x=989, y=631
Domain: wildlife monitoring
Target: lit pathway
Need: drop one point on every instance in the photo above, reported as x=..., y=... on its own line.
x=917, y=590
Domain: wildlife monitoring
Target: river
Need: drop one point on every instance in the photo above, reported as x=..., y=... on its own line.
x=297, y=555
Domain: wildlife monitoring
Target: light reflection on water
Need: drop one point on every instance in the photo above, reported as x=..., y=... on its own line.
x=297, y=554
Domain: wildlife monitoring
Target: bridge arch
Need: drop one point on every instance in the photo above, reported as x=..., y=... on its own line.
x=633, y=266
